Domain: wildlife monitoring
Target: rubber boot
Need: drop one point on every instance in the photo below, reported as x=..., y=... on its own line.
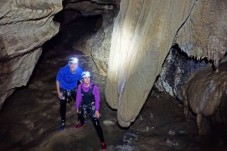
x=62, y=126
x=103, y=146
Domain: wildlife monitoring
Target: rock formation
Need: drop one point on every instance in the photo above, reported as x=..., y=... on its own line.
x=202, y=40
x=24, y=26
x=176, y=72
x=142, y=36
x=204, y=93
x=204, y=33
x=96, y=45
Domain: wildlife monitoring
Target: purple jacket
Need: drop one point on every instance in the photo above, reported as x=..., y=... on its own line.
x=95, y=92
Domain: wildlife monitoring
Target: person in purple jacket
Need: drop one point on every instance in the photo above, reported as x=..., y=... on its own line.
x=88, y=105
x=66, y=84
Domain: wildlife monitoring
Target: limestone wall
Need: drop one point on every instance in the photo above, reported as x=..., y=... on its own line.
x=24, y=26
x=204, y=35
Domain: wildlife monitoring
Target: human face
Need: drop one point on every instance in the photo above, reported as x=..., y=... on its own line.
x=73, y=67
x=87, y=80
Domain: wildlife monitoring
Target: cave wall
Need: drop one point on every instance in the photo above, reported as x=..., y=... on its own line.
x=205, y=94
x=204, y=35
x=176, y=71
x=24, y=26
x=202, y=40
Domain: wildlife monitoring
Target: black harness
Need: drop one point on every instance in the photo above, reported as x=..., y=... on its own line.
x=87, y=97
x=88, y=103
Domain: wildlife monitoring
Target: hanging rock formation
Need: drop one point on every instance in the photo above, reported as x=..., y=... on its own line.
x=204, y=35
x=24, y=26
x=142, y=36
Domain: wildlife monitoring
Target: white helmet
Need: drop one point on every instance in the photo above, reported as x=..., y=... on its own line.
x=73, y=60
x=86, y=74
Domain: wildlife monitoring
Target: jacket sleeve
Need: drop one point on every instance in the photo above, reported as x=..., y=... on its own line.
x=78, y=97
x=97, y=97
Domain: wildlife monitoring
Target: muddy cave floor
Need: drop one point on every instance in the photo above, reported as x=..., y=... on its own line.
x=30, y=121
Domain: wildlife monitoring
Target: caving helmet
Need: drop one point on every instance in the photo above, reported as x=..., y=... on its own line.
x=86, y=74
x=73, y=60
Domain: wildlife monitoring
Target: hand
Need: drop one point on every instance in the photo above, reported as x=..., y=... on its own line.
x=60, y=95
x=97, y=114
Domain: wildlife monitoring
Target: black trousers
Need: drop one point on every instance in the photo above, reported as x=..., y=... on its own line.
x=88, y=112
x=68, y=95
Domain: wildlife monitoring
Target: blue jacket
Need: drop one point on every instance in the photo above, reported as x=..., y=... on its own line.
x=67, y=80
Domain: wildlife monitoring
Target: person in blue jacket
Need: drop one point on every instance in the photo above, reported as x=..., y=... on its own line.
x=66, y=83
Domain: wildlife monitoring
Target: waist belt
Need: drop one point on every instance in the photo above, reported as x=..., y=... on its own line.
x=67, y=92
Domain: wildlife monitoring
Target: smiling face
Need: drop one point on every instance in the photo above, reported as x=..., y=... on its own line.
x=73, y=67
x=87, y=80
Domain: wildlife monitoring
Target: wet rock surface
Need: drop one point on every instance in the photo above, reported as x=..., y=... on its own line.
x=161, y=126
x=177, y=70
x=209, y=101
